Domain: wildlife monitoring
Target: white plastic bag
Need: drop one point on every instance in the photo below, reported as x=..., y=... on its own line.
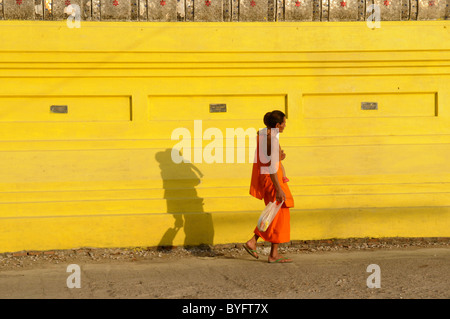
x=267, y=215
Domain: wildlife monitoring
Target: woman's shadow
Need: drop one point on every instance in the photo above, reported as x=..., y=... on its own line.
x=179, y=182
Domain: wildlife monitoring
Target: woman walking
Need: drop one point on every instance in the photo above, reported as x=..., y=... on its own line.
x=269, y=183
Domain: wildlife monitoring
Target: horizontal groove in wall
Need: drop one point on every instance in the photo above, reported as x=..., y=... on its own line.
x=147, y=207
x=67, y=146
x=217, y=183
x=206, y=76
x=241, y=196
x=293, y=211
x=218, y=65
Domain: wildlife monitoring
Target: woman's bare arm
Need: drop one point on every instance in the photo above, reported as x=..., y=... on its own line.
x=280, y=196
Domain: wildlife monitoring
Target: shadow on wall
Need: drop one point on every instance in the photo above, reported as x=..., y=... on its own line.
x=179, y=182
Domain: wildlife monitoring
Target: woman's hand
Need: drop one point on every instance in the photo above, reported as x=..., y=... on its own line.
x=280, y=197
x=282, y=155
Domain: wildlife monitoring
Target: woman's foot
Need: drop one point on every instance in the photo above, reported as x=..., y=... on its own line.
x=250, y=247
x=279, y=260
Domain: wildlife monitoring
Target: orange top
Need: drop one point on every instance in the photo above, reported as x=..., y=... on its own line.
x=261, y=185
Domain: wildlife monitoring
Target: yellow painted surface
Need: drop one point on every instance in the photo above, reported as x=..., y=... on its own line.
x=82, y=108
x=101, y=175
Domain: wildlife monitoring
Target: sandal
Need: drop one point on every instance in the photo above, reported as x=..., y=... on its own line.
x=251, y=251
x=279, y=261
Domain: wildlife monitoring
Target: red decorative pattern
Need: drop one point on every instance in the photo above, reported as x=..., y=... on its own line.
x=115, y=3
x=387, y=3
x=252, y=3
x=67, y=3
x=298, y=3
x=19, y=2
x=343, y=4
x=162, y=2
x=431, y=3
x=208, y=3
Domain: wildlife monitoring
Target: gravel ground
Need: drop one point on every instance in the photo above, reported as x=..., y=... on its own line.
x=410, y=268
x=32, y=259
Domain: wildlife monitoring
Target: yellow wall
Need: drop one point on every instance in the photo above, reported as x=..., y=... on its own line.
x=101, y=175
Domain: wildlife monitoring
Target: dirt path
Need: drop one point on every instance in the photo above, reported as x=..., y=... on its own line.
x=404, y=273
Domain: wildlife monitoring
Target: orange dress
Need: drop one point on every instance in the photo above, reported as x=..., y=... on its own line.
x=262, y=187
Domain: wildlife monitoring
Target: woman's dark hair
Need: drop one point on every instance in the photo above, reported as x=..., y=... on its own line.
x=271, y=119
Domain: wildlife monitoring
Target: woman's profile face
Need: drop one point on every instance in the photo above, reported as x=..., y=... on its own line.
x=281, y=126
